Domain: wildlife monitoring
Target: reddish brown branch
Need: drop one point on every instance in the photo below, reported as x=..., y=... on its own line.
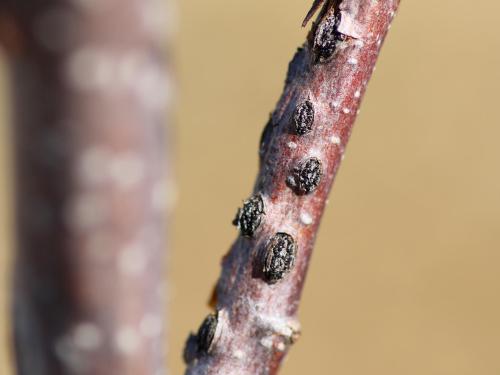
x=89, y=87
x=258, y=293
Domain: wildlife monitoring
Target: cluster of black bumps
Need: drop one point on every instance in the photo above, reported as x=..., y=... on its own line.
x=278, y=257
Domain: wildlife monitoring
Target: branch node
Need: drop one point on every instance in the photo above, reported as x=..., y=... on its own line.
x=289, y=329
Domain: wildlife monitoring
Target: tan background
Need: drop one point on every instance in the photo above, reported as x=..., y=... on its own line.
x=405, y=278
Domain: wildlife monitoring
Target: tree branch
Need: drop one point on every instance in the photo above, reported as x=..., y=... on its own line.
x=89, y=90
x=258, y=293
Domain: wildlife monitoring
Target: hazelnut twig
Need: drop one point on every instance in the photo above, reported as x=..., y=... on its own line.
x=258, y=293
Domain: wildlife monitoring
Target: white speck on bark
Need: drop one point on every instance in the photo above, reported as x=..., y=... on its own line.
x=335, y=139
x=72, y=358
x=280, y=326
x=151, y=86
x=151, y=326
x=306, y=219
x=127, y=170
x=267, y=342
x=86, y=211
x=71, y=347
x=89, y=68
x=159, y=18
x=238, y=354
x=127, y=340
x=359, y=43
x=132, y=260
x=353, y=61
x=91, y=166
x=129, y=66
x=163, y=197
x=87, y=336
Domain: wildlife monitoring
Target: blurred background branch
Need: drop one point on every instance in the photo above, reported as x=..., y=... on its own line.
x=89, y=81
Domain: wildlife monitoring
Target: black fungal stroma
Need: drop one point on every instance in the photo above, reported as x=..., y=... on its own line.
x=206, y=333
x=200, y=344
x=303, y=118
x=327, y=35
x=279, y=257
x=307, y=176
x=249, y=217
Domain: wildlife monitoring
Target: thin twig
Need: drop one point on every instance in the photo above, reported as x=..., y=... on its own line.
x=258, y=293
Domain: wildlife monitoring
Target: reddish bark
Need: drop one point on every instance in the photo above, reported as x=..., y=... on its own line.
x=257, y=315
x=89, y=93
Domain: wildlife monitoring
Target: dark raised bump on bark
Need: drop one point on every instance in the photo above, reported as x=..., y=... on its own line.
x=327, y=36
x=206, y=333
x=260, y=319
x=249, y=217
x=89, y=92
x=306, y=176
x=303, y=118
x=278, y=257
x=200, y=344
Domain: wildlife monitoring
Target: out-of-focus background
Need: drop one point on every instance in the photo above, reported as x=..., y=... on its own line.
x=405, y=277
